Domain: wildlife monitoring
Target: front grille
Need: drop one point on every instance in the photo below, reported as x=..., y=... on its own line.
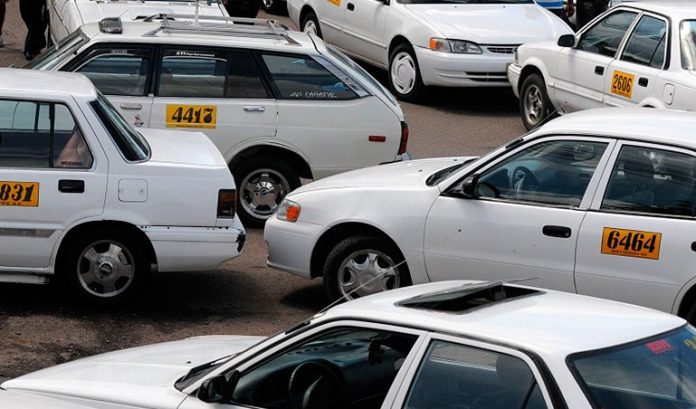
x=502, y=49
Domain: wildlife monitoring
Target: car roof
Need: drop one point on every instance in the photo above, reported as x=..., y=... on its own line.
x=16, y=81
x=550, y=323
x=676, y=9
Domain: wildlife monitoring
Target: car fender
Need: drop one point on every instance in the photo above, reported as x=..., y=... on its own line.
x=652, y=102
x=411, y=26
x=538, y=64
x=681, y=294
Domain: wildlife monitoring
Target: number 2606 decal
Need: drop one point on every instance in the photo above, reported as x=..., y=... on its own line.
x=631, y=243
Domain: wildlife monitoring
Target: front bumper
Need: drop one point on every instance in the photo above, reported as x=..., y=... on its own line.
x=463, y=70
x=194, y=248
x=513, y=73
x=290, y=245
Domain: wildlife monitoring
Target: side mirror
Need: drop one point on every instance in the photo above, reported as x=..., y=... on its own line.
x=218, y=389
x=566, y=40
x=469, y=186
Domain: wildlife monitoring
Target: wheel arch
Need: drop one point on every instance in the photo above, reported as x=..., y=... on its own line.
x=306, y=9
x=397, y=40
x=528, y=70
x=685, y=298
x=297, y=161
x=651, y=102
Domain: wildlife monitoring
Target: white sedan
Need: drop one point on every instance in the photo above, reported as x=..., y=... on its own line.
x=599, y=203
x=460, y=43
x=447, y=345
x=635, y=54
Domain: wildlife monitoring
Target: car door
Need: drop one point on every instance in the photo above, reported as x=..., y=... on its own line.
x=216, y=91
x=57, y=10
x=123, y=73
x=52, y=174
x=331, y=15
x=581, y=72
x=637, y=242
x=522, y=223
x=364, y=28
x=338, y=364
x=634, y=78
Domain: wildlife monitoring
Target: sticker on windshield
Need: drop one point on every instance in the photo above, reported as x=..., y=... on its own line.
x=622, y=84
x=631, y=243
x=191, y=116
x=19, y=194
x=659, y=347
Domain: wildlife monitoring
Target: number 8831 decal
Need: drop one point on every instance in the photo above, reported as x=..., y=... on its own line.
x=631, y=243
x=19, y=194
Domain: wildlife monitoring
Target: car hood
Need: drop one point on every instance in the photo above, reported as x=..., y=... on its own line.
x=94, y=11
x=182, y=147
x=132, y=376
x=406, y=174
x=491, y=23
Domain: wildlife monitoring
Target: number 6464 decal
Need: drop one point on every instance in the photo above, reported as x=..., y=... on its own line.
x=631, y=243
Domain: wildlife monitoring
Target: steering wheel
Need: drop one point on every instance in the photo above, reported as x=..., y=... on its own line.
x=522, y=179
x=316, y=385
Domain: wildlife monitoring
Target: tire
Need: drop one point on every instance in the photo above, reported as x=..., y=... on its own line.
x=310, y=24
x=262, y=183
x=104, y=268
x=278, y=7
x=339, y=282
x=404, y=74
x=535, y=106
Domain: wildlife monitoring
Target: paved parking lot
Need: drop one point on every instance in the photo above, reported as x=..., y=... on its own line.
x=39, y=327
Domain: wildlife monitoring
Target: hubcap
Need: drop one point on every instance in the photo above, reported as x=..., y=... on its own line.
x=310, y=27
x=105, y=269
x=533, y=105
x=372, y=269
x=263, y=190
x=403, y=72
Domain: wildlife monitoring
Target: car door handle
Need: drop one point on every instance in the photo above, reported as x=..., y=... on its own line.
x=254, y=108
x=131, y=106
x=71, y=186
x=599, y=70
x=643, y=82
x=351, y=6
x=557, y=231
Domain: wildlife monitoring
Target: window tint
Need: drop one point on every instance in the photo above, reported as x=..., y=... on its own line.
x=301, y=77
x=119, y=71
x=244, y=79
x=41, y=135
x=554, y=172
x=349, y=368
x=647, y=43
x=455, y=376
x=193, y=73
x=652, y=181
x=605, y=36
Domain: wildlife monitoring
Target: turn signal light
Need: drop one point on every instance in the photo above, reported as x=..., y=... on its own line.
x=227, y=203
x=404, y=138
x=289, y=211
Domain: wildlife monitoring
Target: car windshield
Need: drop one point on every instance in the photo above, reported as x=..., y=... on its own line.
x=687, y=35
x=131, y=144
x=658, y=372
x=53, y=56
x=466, y=1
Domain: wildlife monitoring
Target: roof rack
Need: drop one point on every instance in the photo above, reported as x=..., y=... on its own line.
x=219, y=25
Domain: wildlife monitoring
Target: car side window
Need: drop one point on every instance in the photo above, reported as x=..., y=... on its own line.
x=646, y=45
x=244, y=78
x=41, y=135
x=346, y=367
x=454, y=376
x=650, y=180
x=304, y=78
x=118, y=71
x=192, y=73
x=552, y=173
x=605, y=37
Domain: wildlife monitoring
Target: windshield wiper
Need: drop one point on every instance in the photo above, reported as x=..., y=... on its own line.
x=198, y=371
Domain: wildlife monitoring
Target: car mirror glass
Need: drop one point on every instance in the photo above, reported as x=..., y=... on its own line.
x=566, y=40
x=217, y=389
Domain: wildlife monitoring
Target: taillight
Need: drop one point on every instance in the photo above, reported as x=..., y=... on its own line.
x=404, y=138
x=227, y=203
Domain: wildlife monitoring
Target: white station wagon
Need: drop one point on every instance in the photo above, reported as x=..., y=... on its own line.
x=88, y=200
x=601, y=203
x=446, y=345
x=636, y=54
x=279, y=104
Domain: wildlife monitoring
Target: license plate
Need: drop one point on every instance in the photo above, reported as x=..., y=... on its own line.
x=191, y=116
x=19, y=194
x=622, y=84
x=631, y=243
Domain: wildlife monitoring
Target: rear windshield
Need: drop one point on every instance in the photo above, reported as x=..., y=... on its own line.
x=658, y=372
x=131, y=144
x=53, y=56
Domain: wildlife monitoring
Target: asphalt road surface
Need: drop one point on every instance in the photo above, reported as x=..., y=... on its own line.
x=40, y=327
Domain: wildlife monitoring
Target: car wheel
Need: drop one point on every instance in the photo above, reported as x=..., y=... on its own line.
x=535, y=106
x=310, y=24
x=361, y=265
x=104, y=268
x=275, y=6
x=262, y=184
x=404, y=75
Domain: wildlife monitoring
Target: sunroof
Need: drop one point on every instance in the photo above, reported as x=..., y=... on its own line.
x=467, y=297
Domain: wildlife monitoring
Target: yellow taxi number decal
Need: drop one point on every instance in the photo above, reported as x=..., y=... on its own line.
x=19, y=194
x=191, y=116
x=335, y=2
x=622, y=84
x=631, y=243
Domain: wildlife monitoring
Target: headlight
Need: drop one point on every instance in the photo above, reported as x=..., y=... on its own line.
x=455, y=46
x=288, y=211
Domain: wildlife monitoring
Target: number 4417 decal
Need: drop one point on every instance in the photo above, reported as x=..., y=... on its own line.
x=631, y=243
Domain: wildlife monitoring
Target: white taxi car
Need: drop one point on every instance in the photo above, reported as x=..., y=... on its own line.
x=451, y=43
x=280, y=105
x=88, y=200
x=635, y=54
x=439, y=346
x=601, y=203
x=66, y=16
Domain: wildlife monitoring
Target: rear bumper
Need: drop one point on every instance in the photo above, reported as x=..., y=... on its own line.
x=463, y=70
